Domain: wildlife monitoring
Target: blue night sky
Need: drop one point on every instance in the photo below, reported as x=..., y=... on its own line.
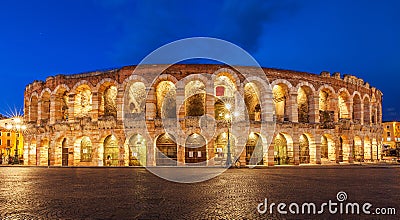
x=44, y=38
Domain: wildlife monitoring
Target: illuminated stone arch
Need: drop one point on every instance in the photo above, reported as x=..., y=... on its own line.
x=283, y=149
x=32, y=152
x=107, y=92
x=375, y=149
x=136, y=98
x=196, y=150
x=195, y=98
x=252, y=98
x=44, y=152
x=110, y=151
x=307, y=149
x=254, y=149
x=166, y=152
x=33, y=107
x=136, y=150
x=225, y=89
x=344, y=149
x=233, y=77
x=326, y=105
x=82, y=100
x=86, y=149
x=64, y=148
x=61, y=100
x=367, y=109
x=367, y=149
x=166, y=99
x=328, y=153
x=45, y=104
x=305, y=102
x=281, y=98
x=344, y=104
x=358, y=149
x=357, y=107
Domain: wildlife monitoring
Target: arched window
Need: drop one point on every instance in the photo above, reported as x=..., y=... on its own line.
x=137, y=97
x=252, y=100
x=195, y=98
x=83, y=101
x=304, y=104
x=166, y=100
x=367, y=111
x=111, y=151
x=344, y=105
x=33, y=109
x=357, y=108
x=45, y=106
x=281, y=95
x=86, y=150
x=108, y=106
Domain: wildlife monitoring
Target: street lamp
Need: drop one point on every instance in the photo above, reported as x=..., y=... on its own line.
x=17, y=126
x=228, y=118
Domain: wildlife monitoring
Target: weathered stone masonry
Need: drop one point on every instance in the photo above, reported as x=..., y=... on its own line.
x=78, y=120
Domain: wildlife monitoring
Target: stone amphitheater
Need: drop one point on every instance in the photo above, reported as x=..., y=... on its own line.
x=119, y=117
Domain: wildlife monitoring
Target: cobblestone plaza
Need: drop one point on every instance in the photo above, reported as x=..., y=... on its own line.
x=134, y=193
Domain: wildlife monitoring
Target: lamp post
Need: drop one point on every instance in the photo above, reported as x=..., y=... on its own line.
x=17, y=126
x=228, y=118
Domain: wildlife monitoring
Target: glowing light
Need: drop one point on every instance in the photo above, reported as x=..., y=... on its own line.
x=9, y=127
x=236, y=114
x=227, y=116
x=228, y=106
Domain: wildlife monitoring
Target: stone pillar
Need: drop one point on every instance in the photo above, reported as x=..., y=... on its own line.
x=351, y=151
x=210, y=99
x=269, y=155
x=95, y=106
x=292, y=108
x=151, y=108
x=181, y=155
x=314, y=116
x=180, y=103
x=296, y=152
x=150, y=160
x=351, y=110
x=71, y=106
x=97, y=152
x=318, y=145
x=210, y=152
x=52, y=109
x=362, y=113
x=335, y=103
x=40, y=114
x=120, y=104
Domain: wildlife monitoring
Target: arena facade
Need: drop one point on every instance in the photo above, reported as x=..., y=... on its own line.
x=88, y=119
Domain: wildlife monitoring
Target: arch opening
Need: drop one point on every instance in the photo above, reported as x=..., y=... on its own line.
x=166, y=100
x=166, y=155
x=137, y=150
x=111, y=151
x=195, y=150
x=280, y=98
x=195, y=98
x=252, y=101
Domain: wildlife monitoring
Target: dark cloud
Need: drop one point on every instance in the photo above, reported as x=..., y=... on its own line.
x=243, y=22
x=146, y=25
